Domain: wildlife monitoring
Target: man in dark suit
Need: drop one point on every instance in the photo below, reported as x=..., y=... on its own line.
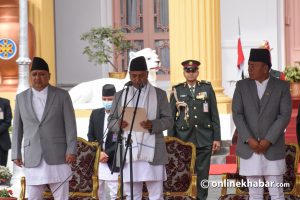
x=196, y=117
x=108, y=140
x=5, y=122
x=261, y=110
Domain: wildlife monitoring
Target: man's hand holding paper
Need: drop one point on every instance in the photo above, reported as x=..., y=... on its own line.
x=124, y=124
x=146, y=124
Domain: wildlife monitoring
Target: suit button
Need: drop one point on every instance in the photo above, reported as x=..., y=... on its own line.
x=196, y=126
x=195, y=108
x=208, y=125
x=195, y=117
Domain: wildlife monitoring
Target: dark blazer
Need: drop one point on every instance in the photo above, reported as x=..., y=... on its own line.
x=261, y=119
x=95, y=133
x=96, y=126
x=5, y=123
x=201, y=128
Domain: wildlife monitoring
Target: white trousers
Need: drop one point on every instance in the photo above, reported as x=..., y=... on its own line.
x=113, y=189
x=256, y=193
x=60, y=192
x=155, y=190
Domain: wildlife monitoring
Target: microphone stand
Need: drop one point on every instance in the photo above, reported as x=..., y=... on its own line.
x=119, y=145
x=129, y=145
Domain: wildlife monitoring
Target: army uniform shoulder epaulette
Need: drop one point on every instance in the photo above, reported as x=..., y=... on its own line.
x=179, y=84
x=205, y=82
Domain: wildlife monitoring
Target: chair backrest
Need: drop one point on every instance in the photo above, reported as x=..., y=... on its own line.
x=291, y=160
x=180, y=168
x=181, y=181
x=289, y=178
x=84, y=182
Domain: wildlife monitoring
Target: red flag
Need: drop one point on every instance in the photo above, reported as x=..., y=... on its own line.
x=241, y=58
x=282, y=76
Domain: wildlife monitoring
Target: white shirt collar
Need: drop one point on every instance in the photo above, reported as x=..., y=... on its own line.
x=192, y=86
x=43, y=92
x=261, y=87
x=264, y=83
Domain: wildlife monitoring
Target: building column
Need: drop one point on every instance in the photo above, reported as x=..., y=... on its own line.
x=23, y=60
x=195, y=33
x=41, y=16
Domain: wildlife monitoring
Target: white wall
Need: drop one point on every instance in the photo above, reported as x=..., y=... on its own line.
x=259, y=20
x=72, y=18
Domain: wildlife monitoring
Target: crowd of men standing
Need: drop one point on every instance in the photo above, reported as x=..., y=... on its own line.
x=44, y=121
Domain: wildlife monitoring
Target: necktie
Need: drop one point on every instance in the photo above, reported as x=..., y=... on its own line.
x=192, y=89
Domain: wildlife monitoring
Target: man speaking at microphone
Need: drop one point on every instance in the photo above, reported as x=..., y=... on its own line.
x=149, y=153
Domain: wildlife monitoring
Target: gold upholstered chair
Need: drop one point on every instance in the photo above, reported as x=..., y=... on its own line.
x=181, y=179
x=291, y=179
x=84, y=182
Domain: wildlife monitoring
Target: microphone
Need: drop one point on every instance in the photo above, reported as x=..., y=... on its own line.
x=129, y=83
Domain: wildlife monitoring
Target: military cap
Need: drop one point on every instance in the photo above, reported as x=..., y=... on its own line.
x=260, y=55
x=138, y=64
x=39, y=64
x=190, y=65
x=108, y=90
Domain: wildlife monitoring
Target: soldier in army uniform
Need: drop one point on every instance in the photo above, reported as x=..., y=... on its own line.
x=196, y=117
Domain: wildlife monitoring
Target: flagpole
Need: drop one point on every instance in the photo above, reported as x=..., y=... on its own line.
x=243, y=76
x=239, y=28
x=240, y=51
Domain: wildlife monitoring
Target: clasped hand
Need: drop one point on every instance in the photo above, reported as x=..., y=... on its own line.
x=70, y=158
x=103, y=157
x=259, y=147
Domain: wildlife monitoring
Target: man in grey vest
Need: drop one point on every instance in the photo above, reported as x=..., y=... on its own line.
x=44, y=118
x=261, y=110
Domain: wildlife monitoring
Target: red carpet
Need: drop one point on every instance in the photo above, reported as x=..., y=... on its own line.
x=219, y=169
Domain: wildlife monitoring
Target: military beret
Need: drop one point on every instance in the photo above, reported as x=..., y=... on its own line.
x=190, y=65
x=39, y=64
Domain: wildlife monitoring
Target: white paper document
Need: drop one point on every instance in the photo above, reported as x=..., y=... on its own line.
x=140, y=116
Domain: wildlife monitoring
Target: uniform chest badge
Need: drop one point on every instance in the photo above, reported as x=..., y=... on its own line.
x=201, y=95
